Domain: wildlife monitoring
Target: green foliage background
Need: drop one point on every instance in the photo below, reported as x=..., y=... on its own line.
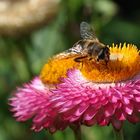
x=22, y=57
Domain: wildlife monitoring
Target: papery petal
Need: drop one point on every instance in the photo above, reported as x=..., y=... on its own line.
x=32, y=101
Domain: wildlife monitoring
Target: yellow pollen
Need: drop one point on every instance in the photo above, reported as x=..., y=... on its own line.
x=56, y=68
x=124, y=64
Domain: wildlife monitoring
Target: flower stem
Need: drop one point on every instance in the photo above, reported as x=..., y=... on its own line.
x=118, y=135
x=77, y=131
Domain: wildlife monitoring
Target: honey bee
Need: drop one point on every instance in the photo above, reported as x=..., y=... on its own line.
x=89, y=46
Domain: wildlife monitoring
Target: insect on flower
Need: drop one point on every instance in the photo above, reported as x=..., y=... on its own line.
x=65, y=95
x=89, y=47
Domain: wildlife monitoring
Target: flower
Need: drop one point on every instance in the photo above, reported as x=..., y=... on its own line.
x=97, y=103
x=97, y=93
x=31, y=101
x=90, y=93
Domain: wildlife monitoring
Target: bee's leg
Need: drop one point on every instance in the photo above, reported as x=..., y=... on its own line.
x=90, y=59
x=98, y=59
x=79, y=59
x=106, y=62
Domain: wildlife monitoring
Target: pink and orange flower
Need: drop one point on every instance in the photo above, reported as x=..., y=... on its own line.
x=92, y=93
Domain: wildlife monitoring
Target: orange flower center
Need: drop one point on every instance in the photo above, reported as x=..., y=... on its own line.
x=124, y=64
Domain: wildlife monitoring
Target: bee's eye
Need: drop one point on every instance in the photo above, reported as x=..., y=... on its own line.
x=101, y=54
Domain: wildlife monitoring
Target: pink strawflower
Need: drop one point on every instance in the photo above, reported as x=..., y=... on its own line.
x=31, y=101
x=67, y=94
x=79, y=100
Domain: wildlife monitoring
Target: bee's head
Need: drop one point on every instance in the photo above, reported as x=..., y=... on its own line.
x=103, y=54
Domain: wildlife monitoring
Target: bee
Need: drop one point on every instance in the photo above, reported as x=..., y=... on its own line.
x=89, y=46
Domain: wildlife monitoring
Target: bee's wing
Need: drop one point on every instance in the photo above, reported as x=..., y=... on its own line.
x=87, y=31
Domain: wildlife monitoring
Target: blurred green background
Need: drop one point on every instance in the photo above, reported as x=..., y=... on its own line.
x=22, y=57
